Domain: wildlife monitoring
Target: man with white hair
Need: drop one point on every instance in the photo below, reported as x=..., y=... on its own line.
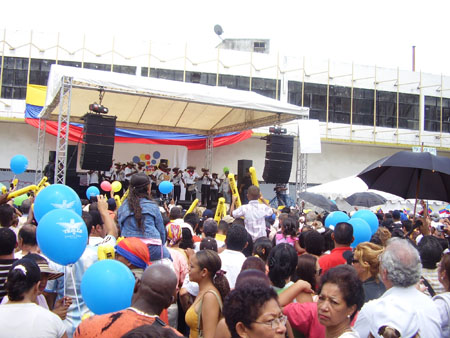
x=400, y=271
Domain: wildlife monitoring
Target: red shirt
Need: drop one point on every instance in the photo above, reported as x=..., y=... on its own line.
x=303, y=318
x=335, y=258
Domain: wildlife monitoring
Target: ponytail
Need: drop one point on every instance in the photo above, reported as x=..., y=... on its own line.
x=221, y=283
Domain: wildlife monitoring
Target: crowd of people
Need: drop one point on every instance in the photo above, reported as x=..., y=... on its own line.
x=256, y=272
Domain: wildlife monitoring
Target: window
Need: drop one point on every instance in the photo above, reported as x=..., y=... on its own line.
x=259, y=46
x=97, y=66
x=40, y=69
x=124, y=69
x=433, y=114
x=14, y=82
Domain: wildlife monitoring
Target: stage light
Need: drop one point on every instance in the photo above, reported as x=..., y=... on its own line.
x=98, y=108
x=277, y=130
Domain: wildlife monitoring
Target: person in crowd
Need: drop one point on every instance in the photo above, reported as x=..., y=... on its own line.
x=254, y=213
x=25, y=210
x=208, y=243
x=190, y=178
x=288, y=234
x=27, y=242
x=308, y=269
x=21, y=317
x=225, y=186
x=282, y=263
x=248, y=248
x=381, y=236
x=128, y=172
x=154, y=293
x=442, y=300
x=132, y=252
x=232, y=257
x=341, y=296
x=244, y=185
x=63, y=286
x=206, y=179
x=222, y=230
x=7, y=245
x=262, y=247
x=366, y=262
x=139, y=217
x=430, y=252
x=209, y=229
x=342, y=237
x=253, y=311
x=6, y=215
x=204, y=314
x=253, y=263
x=400, y=271
x=314, y=243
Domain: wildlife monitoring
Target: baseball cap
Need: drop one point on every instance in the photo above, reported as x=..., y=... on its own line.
x=207, y=214
x=139, y=180
x=43, y=266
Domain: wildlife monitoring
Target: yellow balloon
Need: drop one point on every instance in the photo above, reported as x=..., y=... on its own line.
x=116, y=186
x=142, y=157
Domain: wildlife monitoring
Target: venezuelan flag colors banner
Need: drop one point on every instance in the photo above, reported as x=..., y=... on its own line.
x=35, y=101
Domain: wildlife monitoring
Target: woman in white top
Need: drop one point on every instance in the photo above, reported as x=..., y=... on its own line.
x=341, y=295
x=21, y=317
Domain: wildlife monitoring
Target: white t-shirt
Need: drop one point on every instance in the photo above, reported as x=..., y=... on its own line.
x=41, y=301
x=232, y=263
x=93, y=178
x=29, y=320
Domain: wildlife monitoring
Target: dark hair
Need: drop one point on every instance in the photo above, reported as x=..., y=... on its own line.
x=210, y=260
x=251, y=277
x=135, y=193
x=208, y=243
x=186, y=239
x=223, y=226
x=244, y=305
x=238, y=221
x=430, y=251
x=262, y=247
x=96, y=218
x=289, y=227
x=25, y=206
x=154, y=330
x=7, y=241
x=306, y=270
x=445, y=266
x=24, y=274
x=286, y=210
x=282, y=263
x=87, y=218
x=175, y=213
x=248, y=249
x=314, y=242
x=328, y=240
x=254, y=263
x=192, y=219
x=346, y=278
x=6, y=215
x=407, y=224
x=343, y=233
x=236, y=237
x=165, y=218
x=28, y=234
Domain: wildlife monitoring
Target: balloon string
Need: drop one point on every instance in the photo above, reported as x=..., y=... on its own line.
x=75, y=289
x=65, y=277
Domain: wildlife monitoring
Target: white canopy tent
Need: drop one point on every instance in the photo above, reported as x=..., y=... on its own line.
x=154, y=104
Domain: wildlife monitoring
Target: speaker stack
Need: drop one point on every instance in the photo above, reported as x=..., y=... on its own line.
x=243, y=166
x=98, y=142
x=278, y=163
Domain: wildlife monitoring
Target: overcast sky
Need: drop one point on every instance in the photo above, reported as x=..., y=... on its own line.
x=378, y=32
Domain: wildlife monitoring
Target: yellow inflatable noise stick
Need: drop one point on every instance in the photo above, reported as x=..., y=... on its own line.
x=3, y=190
x=22, y=191
x=42, y=182
x=219, y=210
x=118, y=201
x=234, y=190
x=252, y=172
x=192, y=207
x=105, y=252
x=14, y=182
x=124, y=196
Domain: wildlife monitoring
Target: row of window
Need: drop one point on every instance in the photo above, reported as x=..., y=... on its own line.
x=15, y=77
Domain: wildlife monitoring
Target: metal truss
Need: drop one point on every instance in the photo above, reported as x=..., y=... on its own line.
x=209, y=151
x=62, y=139
x=40, y=151
x=301, y=177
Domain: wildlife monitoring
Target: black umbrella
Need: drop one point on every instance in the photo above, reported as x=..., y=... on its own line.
x=318, y=201
x=410, y=175
x=365, y=199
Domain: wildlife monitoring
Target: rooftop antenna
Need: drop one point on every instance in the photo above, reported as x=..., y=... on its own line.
x=219, y=31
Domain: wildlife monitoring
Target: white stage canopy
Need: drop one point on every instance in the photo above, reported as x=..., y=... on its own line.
x=163, y=105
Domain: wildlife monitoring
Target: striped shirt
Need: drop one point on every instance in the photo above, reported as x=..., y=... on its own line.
x=254, y=214
x=5, y=266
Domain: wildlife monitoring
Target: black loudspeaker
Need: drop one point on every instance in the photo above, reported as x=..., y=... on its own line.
x=71, y=164
x=278, y=164
x=98, y=142
x=243, y=166
x=52, y=156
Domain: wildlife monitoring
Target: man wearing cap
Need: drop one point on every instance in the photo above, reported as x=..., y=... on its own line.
x=177, y=178
x=225, y=185
x=190, y=178
x=128, y=172
x=153, y=294
x=400, y=271
x=159, y=176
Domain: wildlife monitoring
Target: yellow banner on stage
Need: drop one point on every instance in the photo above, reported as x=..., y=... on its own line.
x=36, y=95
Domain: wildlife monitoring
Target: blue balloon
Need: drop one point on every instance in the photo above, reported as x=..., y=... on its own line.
x=62, y=236
x=165, y=187
x=369, y=217
x=336, y=217
x=361, y=231
x=18, y=164
x=107, y=286
x=92, y=191
x=56, y=196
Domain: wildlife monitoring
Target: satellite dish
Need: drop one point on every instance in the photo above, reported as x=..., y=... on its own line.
x=218, y=30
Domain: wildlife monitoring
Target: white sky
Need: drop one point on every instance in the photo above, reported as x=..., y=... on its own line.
x=378, y=32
